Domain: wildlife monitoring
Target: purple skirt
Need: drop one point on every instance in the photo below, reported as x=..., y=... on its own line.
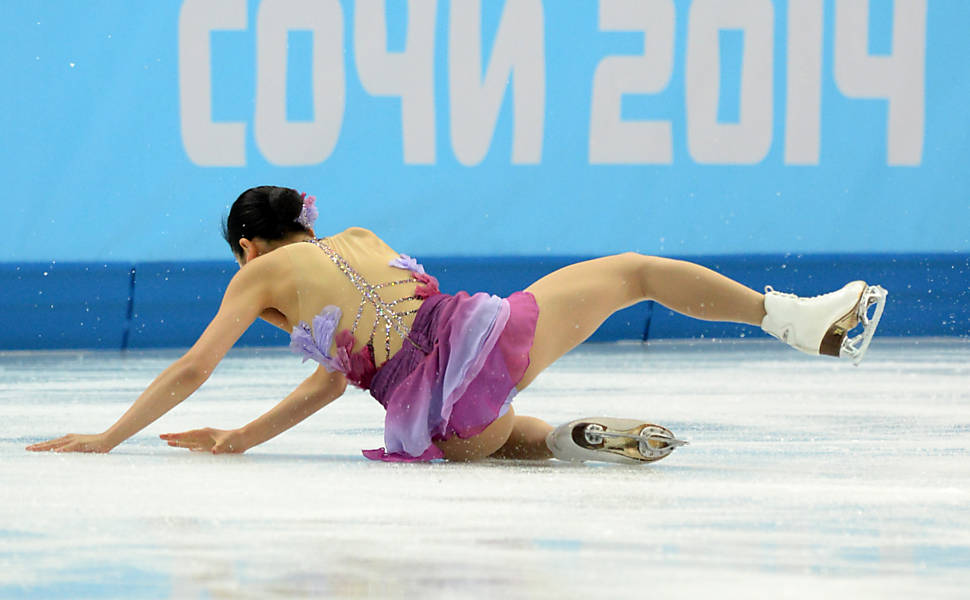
x=458, y=376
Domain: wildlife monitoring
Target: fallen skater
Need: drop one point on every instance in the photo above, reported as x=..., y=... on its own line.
x=446, y=367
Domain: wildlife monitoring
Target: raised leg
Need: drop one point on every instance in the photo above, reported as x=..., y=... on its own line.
x=575, y=300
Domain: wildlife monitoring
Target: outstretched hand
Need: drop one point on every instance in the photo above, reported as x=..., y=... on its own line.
x=216, y=441
x=74, y=442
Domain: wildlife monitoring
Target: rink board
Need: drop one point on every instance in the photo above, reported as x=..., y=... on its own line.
x=168, y=304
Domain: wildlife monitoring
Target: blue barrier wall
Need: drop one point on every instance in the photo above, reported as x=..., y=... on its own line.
x=148, y=305
x=741, y=129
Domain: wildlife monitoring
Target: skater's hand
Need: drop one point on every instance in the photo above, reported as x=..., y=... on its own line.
x=216, y=441
x=75, y=442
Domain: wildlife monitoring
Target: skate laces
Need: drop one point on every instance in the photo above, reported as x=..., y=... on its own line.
x=771, y=290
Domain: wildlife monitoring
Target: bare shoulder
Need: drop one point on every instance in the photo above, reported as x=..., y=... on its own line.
x=366, y=238
x=263, y=271
x=360, y=232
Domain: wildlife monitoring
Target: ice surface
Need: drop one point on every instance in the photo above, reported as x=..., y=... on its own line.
x=805, y=478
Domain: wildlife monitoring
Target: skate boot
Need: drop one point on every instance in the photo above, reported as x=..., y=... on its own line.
x=821, y=325
x=611, y=440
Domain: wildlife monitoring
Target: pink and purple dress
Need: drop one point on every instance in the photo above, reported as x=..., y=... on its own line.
x=455, y=372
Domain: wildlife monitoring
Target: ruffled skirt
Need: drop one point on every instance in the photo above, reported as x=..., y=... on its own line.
x=458, y=375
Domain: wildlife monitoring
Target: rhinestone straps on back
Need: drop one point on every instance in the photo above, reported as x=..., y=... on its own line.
x=384, y=311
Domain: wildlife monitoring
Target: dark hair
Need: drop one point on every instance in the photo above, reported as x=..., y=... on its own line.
x=267, y=212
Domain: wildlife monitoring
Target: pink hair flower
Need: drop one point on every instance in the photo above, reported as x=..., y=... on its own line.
x=309, y=213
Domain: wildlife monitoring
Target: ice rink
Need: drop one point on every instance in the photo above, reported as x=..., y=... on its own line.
x=805, y=478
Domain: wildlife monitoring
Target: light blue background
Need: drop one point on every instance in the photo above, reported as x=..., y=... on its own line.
x=94, y=168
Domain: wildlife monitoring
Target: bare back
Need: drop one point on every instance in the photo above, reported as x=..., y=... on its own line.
x=309, y=280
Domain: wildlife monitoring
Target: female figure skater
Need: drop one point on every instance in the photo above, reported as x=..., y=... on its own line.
x=447, y=367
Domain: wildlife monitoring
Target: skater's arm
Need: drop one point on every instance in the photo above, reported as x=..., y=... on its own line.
x=318, y=390
x=244, y=300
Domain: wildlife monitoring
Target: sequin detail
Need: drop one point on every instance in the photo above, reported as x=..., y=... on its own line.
x=359, y=367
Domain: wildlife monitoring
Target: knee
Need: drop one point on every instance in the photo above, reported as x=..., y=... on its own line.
x=648, y=273
x=639, y=272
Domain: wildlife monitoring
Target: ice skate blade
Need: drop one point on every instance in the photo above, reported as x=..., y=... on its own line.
x=832, y=341
x=608, y=439
x=644, y=442
x=855, y=347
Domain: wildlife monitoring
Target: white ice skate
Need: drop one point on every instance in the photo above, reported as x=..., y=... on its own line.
x=821, y=325
x=611, y=440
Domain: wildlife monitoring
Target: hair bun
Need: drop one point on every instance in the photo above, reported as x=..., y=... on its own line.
x=286, y=205
x=267, y=212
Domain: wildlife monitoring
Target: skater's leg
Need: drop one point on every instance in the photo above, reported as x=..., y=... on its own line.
x=575, y=300
x=527, y=440
x=699, y=292
x=482, y=445
x=509, y=436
